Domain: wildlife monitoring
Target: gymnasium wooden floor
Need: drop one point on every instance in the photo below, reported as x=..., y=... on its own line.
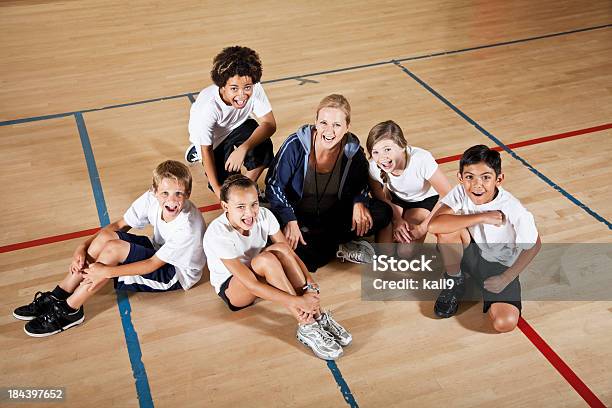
x=95, y=93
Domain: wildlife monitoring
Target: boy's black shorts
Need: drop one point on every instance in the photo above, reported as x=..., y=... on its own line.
x=260, y=155
x=480, y=269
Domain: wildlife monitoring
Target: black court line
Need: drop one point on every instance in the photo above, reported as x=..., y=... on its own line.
x=190, y=95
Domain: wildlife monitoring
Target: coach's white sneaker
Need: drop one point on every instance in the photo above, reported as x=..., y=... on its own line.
x=320, y=342
x=360, y=252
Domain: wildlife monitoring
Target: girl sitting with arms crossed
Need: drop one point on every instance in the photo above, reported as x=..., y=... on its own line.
x=408, y=179
x=242, y=269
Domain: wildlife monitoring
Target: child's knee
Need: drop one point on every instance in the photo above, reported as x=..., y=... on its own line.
x=505, y=318
x=263, y=261
x=449, y=238
x=113, y=249
x=282, y=248
x=405, y=250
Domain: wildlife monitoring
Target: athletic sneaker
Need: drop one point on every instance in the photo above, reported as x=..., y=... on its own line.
x=40, y=305
x=448, y=300
x=320, y=342
x=360, y=252
x=341, y=335
x=57, y=319
x=191, y=155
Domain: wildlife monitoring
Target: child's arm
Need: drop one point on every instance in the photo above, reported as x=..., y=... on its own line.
x=497, y=283
x=266, y=128
x=97, y=272
x=442, y=186
x=81, y=255
x=208, y=162
x=445, y=221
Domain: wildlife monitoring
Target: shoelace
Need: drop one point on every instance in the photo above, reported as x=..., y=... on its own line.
x=51, y=318
x=333, y=325
x=327, y=338
x=38, y=300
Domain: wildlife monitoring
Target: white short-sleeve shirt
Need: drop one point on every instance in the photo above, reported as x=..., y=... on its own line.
x=413, y=184
x=211, y=120
x=222, y=241
x=178, y=242
x=501, y=244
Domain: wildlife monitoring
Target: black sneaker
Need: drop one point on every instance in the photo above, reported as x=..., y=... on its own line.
x=57, y=319
x=191, y=155
x=448, y=300
x=40, y=305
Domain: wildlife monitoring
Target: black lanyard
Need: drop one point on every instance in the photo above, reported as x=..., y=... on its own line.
x=318, y=198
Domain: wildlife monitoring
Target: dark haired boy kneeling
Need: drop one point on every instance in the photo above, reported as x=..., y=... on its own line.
x=485, y=232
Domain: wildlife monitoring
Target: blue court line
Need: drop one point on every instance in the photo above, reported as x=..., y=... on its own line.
x=344, y=388
x=506, y=148
x=131, y=337
x=191, y=98
x=331, y=71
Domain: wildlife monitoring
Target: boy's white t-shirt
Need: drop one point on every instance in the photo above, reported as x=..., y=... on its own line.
x=178, y=242
x=211, y=120
x=222, y=241
x=412, y=185
x=501, y=244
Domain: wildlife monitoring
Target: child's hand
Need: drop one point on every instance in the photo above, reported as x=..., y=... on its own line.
x=308, y=302
x=362, y=219
x=293, y=234
x=495, y=217
x=95, y=275
x=401, y=231
x=235, y=159
x=78, y=260
x=417, y=232
x=496, y=283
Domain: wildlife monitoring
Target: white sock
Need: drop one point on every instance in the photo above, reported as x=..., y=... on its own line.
x=454, y=275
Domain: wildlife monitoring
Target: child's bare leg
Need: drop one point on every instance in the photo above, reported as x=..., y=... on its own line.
x=239, y=295
x=414, y=217
x=72, y=280
x=113, y=253
x=451, y=248
x=255, y=173
x=268, y=266
x=504, y=316
x=292, y=265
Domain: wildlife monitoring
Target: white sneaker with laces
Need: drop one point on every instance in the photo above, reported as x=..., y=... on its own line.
x=330, y=325
x=360, y=252
x=320, y=342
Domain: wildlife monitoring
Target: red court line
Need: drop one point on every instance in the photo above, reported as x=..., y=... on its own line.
x=212, y=207
x=556, y=361
x=537, y=140
x=48, y=240
x=73, y=235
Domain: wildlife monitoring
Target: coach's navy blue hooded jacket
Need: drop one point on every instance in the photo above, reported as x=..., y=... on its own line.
x=285, y=179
